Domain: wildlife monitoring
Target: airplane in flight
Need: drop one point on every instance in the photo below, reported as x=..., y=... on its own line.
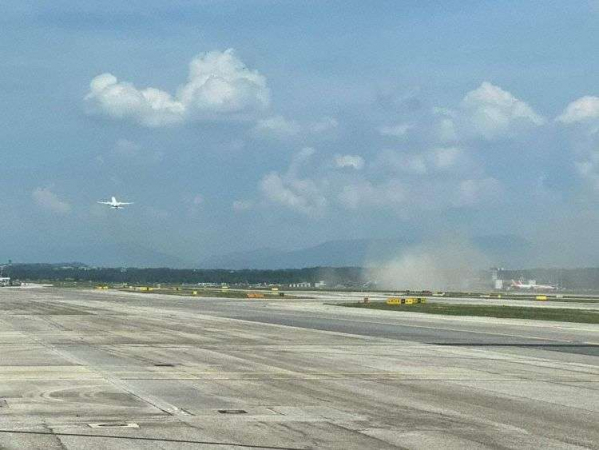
x=531, y=285
x=115, y=204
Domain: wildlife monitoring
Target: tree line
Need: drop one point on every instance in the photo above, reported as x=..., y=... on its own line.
x=349, y=276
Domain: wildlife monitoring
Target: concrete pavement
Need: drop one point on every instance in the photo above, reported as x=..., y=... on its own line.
x=88, y=369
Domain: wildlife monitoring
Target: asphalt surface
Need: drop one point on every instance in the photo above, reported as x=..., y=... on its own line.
x=105, y=369
x=326, y=317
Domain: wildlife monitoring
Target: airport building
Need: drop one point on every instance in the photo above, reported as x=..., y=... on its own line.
x=303, y=284
x=306, y=285
x=4, y=281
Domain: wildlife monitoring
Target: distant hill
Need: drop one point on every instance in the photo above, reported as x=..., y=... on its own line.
x=341, y=253
x=106, y=254
x=501, y=250
x=506, y=250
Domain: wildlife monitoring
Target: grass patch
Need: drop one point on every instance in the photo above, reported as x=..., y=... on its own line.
x=503, y=312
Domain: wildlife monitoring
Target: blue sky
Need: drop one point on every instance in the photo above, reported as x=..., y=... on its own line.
x=299, y=122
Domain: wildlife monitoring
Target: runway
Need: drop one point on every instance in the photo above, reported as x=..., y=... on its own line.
x=92, y=369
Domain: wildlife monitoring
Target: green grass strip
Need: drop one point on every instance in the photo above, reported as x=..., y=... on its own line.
x=503, y=312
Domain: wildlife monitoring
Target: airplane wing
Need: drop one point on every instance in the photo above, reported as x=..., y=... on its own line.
x=125, y=203
x=105, y=203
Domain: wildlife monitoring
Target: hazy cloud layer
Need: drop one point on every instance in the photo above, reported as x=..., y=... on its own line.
x=49, y=201
x=279, y=127
x=398, y=130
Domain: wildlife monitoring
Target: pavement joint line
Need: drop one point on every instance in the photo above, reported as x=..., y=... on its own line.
x=379, y=376
x=118, y=383
x=568, y=382
x=145, y=438
x=525, y=360
x=513, y=395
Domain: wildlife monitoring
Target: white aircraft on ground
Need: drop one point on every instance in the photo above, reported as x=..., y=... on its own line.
x=115, y=204
x=532, y=286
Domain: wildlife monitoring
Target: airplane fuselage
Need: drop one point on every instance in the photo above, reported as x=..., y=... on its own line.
x=115, y=204
x=531, y=287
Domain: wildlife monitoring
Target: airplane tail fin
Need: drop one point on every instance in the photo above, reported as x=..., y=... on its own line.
x=113, y=199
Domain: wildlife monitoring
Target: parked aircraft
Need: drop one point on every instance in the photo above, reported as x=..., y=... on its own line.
x=531, y=285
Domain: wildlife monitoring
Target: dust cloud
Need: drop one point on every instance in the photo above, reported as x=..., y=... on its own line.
x=444, y=265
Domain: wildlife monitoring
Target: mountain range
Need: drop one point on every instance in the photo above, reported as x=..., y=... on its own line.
x=500, y=250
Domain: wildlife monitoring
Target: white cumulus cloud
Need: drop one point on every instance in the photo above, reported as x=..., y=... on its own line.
x=444, y=128
x=277, y=127
x=391, y=194
x=582, y=110
x=398, y=130
x=491, y=112
x=300, y=194
x=349, y=161
x=324, y=125
x=445, y=157
x=439, y=159
x=588, y=169
x=48, y=200
x=218, y=85
x=405, y=187
x=242, y=205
